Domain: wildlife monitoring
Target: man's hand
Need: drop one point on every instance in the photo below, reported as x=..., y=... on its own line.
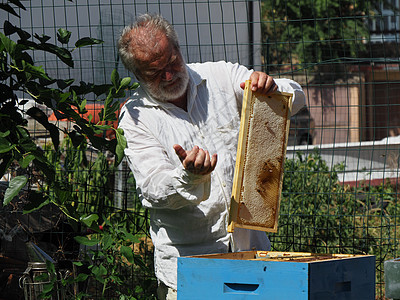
x=261, y=83
x=197, y=160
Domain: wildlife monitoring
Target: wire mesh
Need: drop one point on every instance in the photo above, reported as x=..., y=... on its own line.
x=341, y=174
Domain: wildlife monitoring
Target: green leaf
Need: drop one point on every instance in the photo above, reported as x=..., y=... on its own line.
x=99, y=272
x=107, y=241
x=36, y=71
x=62, y=84
x=43, y=164
x=134, y=86
x=62, y=53
x=103, y=127
x=127, y=253
x=5, y=145
x=5, y=162
x=130, y=237
x=50, y=267
x=125, y=83
x=88, y=220
x=101, y=89
x=115, y=78
x=42, y=38
x=119, y=94
x=87, y=41
x=23, y=132
x=139, y=261
x=82, y=106
x=17, y=3
x=76, y=138
x=16, y=184
x=8, y=44
x=63, y=35
x=41, y=117
x=62, y=195
x=42, y=277
x=120, y=130
x=26, y=160
x=120, y=148
x=28, y=145
x=83, y=240
x=47, y=288
x=81, y=277
x=4, y=134
x=9, y=28
x=36, y=200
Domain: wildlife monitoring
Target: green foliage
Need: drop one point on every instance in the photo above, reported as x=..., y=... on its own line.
x=16, y=184
x=310, y=32
x=320, y=215
x=88, y=183
x=112, y=261
x=65, y=176
x=316, y=214
x=19, y=74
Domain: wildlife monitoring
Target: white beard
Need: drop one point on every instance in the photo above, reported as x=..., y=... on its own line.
x=164, y=93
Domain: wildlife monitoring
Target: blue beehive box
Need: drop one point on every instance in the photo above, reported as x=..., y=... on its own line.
x=276, y=275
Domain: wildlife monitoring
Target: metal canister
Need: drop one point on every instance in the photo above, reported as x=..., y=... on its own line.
x=37, y=280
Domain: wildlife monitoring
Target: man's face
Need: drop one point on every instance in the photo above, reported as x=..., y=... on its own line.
x=162, y=71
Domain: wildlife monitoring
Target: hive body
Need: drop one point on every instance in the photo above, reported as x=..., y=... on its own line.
x=276, y=275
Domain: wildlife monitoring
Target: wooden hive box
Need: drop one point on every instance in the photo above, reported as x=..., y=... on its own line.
x=276, y=275
x=255, y=205
x=261, y=152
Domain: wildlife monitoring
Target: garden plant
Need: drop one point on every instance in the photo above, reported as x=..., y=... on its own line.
x=25, y=162
x=319, y=214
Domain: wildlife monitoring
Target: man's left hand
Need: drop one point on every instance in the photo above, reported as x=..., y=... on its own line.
x=261, y=83
x=197, y=161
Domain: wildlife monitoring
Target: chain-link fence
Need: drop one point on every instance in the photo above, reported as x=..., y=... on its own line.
x=341, y=174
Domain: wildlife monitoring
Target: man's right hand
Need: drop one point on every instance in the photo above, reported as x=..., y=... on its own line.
x=197, y=160
x=261, y=83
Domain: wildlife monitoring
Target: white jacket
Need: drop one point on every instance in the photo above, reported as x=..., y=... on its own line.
x=189, y=213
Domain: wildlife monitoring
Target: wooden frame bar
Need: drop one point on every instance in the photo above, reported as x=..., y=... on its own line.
x=257, y=184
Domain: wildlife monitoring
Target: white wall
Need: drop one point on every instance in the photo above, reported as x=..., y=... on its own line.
x=369, y=161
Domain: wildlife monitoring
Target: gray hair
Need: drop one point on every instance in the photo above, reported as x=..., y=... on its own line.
x=153, y=24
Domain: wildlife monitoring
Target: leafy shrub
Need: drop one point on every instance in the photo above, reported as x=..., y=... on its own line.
x=119, y=271
x=319, y=214
x=89, y=180
x=63, y=175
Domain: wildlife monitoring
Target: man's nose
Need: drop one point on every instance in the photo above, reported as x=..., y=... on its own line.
x=168, y=74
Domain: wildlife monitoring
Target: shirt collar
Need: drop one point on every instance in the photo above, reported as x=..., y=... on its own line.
x=195, y=77
x=194, y=82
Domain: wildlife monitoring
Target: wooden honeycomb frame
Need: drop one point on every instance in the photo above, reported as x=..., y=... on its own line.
x=257, y=183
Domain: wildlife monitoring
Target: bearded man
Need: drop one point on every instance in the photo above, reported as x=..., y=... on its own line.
x=176, y=123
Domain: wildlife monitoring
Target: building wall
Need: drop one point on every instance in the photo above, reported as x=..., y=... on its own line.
x=383, y=103
x=366, y=110
x=336, y=113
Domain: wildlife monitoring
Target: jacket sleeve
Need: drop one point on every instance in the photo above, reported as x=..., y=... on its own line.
x=162, y=182
x=291, y=86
